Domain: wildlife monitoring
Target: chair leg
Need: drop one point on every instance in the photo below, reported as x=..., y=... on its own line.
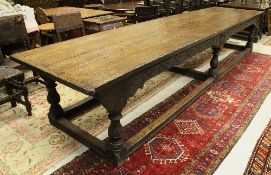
x=24, y=90
x=43, y=40
x=9, y=91
x=27, y=103
x=1, y=57
x=36, y=76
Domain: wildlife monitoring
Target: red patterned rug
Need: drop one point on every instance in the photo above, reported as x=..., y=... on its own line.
x=200, y=137
x=260, y=161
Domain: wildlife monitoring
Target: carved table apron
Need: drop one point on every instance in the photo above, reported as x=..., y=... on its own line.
x=119, y=71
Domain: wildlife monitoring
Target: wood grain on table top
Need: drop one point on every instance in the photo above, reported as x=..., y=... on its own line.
x=85, y=13
x=92, y=62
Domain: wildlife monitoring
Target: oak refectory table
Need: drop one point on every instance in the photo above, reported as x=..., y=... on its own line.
x=111, y=66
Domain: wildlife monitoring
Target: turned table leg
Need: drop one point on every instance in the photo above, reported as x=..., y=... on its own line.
x=53, y=99
x=114, y=99
x=213, y=71
x=116, y=146
x=251, y=36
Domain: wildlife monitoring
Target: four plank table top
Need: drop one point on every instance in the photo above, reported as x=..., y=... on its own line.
x=110, y=66
x=85, y=13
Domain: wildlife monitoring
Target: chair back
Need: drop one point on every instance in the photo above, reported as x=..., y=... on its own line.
x=13, y=35
x=13, y=30
x=41, y=16
x=144, y=13
x=66, y=25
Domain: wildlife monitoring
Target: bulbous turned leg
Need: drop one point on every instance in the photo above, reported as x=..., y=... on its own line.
x=213, y=71
x=53, y=99
x=116, y=145
x=114, y=99
x=251, y=37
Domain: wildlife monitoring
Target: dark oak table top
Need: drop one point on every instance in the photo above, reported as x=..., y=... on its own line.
x=85, y=13
x=124, y=52
x=247, y=5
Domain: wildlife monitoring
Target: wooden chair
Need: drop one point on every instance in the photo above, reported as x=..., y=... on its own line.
x=175, y=7
x=15, y=88
x=145, y=13
x=45, y=26
x=168, y=7
x=161, y=8
x=41, y=16
x=191, y=5
x=13, y=39
x=67, y=26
